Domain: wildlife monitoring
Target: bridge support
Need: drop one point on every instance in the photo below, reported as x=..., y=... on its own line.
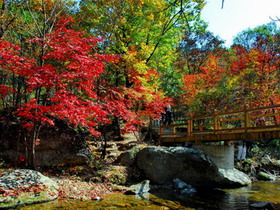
x=221, y=155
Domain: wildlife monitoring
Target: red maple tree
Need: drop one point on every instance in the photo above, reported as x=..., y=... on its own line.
x=66, y=84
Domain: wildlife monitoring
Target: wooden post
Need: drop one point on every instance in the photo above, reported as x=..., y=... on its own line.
x=246, y=118
x=215, y=118
x=222, y=124
x=190, y=127
x=173, y=132
x=160, y=133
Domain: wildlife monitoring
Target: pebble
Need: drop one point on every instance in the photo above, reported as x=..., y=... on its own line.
x=97, y=198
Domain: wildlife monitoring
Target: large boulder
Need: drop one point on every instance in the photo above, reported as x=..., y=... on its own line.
x=21, y=187
x=163, y=164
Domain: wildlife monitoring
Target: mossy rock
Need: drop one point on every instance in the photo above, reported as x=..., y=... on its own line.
x=128, y=158
x=114, y=174
x=277, y=163
x=22, y=187
x=266, y=177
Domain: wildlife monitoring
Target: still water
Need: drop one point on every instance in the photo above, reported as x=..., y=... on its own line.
x=240, y=198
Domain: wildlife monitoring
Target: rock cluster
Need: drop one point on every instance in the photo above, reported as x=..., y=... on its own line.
x=163, y=164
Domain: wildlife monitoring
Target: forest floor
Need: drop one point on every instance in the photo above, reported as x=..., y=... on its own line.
x=101, y=177
x=72, y=188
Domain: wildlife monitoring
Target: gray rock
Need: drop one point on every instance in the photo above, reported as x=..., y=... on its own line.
x=188, y=191
x=266, y=177
x=234, y=177
x=97, y=198
x=128, y=158
x=162, y=164
x=144, y=196
x=178, y=184
x=25, y=187
x=183, y=188
x=141, y=188
x=263, y=205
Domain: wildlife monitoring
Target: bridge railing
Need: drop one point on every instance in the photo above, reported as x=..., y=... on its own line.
x=244, y=121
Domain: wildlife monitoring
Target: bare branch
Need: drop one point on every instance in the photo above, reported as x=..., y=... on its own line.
x=34, y=19
x=275, y=19
x=10, y=22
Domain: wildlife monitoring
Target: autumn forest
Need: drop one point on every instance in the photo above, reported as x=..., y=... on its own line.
x=98, y=65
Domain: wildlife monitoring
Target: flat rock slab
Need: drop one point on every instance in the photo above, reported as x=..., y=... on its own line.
x=234, y=177
x=22, y=186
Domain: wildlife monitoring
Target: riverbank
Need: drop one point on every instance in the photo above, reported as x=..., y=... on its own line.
x=241, y=198
x=101, y=177
x=20, y=187
x=74, y=188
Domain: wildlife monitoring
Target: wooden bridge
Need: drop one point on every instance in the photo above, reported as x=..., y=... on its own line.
x=261, y=123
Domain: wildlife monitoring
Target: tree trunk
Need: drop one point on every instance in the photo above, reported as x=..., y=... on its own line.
x=117, y=129
x=32, y=136
x=104, y=138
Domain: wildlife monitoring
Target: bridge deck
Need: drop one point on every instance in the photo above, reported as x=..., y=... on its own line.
x=249, y=124
x=264, y=135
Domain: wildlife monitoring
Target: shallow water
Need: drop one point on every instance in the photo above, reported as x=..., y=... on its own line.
x=240, y=198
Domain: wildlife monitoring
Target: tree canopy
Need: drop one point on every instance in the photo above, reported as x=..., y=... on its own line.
x=95, y=63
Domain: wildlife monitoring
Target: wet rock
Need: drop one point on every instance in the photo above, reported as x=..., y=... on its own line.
x=178, y=184
x=141, y=188
x=266, y=177
x=188, y=191
x=183, y=188
x=263, y=205
x=162, y=164
x=97, y=198
x=22, y=187
x=234, y=177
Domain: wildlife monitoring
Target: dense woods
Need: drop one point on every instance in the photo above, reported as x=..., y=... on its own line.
x=94, y=63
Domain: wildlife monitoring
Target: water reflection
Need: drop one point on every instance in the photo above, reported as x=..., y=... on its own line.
x=260, y=191
x=207, y=199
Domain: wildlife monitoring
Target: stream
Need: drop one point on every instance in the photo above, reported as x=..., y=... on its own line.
x=240, y=198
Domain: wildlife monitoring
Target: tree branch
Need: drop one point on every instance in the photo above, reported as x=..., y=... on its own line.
x=277, y=18
x=223, y=4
